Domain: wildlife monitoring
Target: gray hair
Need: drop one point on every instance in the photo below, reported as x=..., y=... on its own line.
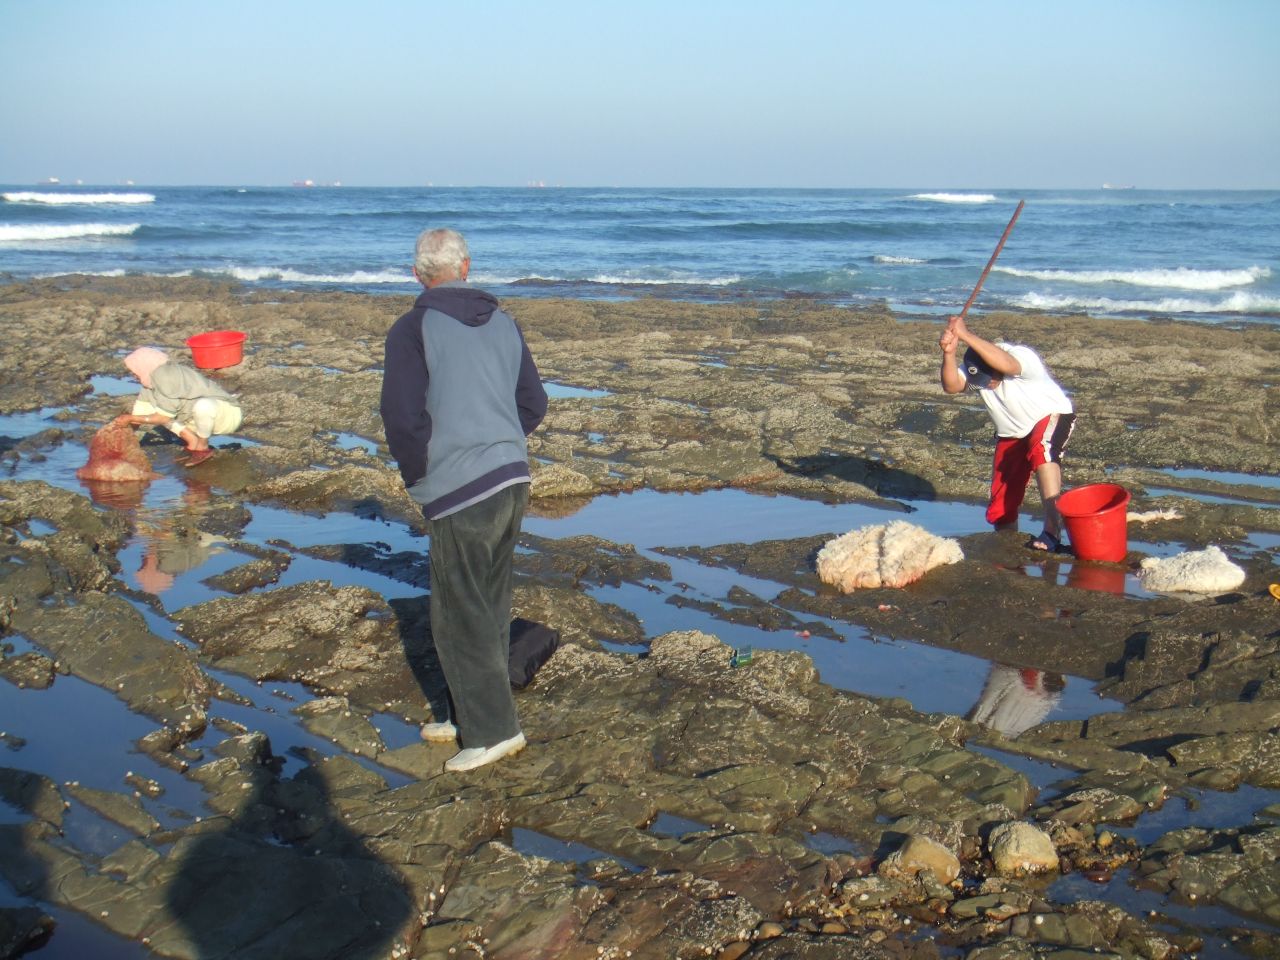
x=439, y=255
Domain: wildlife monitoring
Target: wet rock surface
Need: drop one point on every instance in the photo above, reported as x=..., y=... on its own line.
x=813, y=821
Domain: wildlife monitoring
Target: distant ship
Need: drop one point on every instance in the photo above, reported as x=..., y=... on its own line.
x=1112, y=186
x=51, y=181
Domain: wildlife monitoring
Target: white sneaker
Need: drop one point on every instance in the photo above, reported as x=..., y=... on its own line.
x=473, y=757
x=439, y=732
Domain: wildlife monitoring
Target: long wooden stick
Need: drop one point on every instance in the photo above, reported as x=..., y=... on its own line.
x=992, y=262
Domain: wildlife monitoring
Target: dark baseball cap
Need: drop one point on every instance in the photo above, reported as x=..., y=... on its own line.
x=977, y=371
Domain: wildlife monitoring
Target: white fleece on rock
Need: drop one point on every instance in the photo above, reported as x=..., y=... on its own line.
x=1196, y=571
x=887, y=555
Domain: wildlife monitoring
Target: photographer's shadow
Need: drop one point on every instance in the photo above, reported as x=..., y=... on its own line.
x=282, y=879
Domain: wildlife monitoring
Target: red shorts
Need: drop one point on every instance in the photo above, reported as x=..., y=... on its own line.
x=1017, y=458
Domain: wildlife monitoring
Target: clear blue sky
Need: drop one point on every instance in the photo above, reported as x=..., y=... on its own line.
x=943, y=93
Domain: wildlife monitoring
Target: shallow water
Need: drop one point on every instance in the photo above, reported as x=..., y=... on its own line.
x=1227, y=476
x=58, y=724
x=1207, y=809
x=1169, y=913
x=1202, y=497
x=669, y=825
x=352, y=441
x=19, y=425
x=534, y=844
x=1041, y=774
x=77, y=937
x=113, y=386
x=565, y=391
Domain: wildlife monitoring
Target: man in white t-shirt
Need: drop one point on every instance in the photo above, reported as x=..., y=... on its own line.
x=1033, y=419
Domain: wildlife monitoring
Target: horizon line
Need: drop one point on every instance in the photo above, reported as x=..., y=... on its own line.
x=343, y=185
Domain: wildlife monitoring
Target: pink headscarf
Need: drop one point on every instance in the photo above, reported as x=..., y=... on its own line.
x=143, y=362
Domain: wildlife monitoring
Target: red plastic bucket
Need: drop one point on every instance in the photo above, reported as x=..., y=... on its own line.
x=1096, y=517
x=218, y=348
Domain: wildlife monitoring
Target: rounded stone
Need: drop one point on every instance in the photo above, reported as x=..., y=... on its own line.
x=921, y=854
x=768, y=930
x=1019, y=848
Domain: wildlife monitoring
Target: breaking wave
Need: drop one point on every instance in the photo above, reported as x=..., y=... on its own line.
x=1238, y=302
x=118, y=272
x=1180, y=278
x=70, y=231
x=82, y=273
x=955, y=197
x=612, y=280
x=885, y=258
x=61, y=198
x=369, y=277
x=255, y=274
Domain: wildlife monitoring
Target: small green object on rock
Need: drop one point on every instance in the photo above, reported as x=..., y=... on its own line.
x=740, y=657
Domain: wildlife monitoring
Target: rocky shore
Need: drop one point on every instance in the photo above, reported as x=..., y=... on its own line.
x=673, y=802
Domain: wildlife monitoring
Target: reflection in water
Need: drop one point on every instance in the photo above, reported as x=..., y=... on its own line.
x=1097, y=576
x=173, y=542
x=1104, y=578
x=169, y=554
x=557, y=508
x=1015, y=700
x=116, y=495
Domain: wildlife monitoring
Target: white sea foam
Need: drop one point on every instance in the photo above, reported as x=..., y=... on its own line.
x=955, y=197
x=885, y=258
x=1238, y=302
x=609, y=279
x=81, y=273
x=1180, y=278
x=695, y=281
x=254, y=274
x=69, y=231
x=61, y=198
x=106, y=273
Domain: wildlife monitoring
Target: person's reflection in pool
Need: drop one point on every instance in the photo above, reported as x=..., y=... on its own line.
x=1014, y=700
x=173, y=545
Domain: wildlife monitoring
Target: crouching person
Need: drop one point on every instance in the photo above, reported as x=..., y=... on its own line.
x=181, y=399
x=460, y=393
x=1033, y=419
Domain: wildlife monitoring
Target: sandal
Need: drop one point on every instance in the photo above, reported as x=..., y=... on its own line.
x=1045, y=543
x=197, y=457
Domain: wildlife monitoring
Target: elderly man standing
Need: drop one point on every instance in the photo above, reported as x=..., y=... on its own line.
x=460, y=394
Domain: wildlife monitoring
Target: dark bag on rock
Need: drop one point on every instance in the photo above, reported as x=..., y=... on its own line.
x=532, y=644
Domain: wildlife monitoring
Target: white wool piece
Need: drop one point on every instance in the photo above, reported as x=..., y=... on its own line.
x=1196, y=571
x=886, y=555
x=1151, y=516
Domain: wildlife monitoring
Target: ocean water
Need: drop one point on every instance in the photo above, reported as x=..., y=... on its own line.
x=1212, y=256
